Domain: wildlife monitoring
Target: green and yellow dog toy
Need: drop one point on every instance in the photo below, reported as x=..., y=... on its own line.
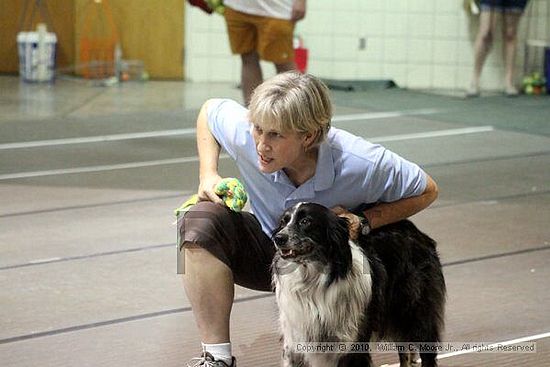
x=229, y=189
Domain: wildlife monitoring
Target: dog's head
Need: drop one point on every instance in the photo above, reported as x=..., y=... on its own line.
x=312, y=232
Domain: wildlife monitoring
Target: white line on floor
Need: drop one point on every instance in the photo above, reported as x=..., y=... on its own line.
x=40, y=261
x=384, y=115
x=433, y=134
x=494, y=345
x=111, y=167
x=177, y=132
x=97, y=139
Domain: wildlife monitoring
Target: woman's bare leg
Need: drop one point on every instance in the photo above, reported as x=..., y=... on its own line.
x=483, y=43
x=510, y=37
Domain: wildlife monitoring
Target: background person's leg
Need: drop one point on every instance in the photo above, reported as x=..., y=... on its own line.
x=275, y=43
x=287, y=66
x=243, y=39
x=510, y=38
x=483, y=43
x=251, y=74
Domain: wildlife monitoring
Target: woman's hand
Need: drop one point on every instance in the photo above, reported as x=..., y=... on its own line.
x=298, y=10
x=206, y=189
x=353, y=220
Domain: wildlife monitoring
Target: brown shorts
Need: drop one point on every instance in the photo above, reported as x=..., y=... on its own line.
x=270, y=37
x=236, y=239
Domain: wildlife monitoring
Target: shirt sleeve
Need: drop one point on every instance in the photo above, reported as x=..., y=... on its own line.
x=227, y=121
x=396, y=178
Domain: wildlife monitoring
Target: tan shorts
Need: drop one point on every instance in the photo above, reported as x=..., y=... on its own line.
x=270, y=37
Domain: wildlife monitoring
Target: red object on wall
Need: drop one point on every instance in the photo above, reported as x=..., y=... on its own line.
x=300, y=58
x=300, y=54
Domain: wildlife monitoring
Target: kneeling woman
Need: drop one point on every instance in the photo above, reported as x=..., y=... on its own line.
x=286, y=152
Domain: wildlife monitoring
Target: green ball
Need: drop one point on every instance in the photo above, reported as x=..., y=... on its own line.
x=232, y=193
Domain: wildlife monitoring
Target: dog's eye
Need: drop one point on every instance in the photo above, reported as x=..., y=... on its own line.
x=285, y=219
x=304, y=222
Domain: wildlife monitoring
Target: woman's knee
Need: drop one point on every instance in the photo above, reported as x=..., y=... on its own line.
x=209, y=226
x=206, y=213
x=486, y=36
x=194, y=253
x=510, y=35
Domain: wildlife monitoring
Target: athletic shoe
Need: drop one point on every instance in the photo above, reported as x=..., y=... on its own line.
x=511, y=91
x=207, y=360
x=472, y=92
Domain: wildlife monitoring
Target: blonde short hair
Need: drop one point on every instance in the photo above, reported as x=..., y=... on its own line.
x=292, y=101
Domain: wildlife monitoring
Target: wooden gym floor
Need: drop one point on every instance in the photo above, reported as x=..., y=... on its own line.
x=89, y=178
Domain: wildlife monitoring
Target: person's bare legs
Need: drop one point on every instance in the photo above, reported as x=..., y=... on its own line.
x=209, y=286
x=251, y=74
x=509, y=35
x=286, y=66
x=483, y=43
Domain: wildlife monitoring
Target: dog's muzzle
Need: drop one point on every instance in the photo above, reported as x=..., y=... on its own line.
x=290, y=248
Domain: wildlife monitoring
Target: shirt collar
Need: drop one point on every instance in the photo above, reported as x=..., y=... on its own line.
x=324, y=171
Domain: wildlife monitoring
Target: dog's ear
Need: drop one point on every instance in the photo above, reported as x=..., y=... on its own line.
x=343, y=222
x=339, y=250
x=280, y=226
x=337, y=230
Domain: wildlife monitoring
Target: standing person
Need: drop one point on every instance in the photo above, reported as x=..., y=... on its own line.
x=262, y=30
x=511, y=11
x=286, y=152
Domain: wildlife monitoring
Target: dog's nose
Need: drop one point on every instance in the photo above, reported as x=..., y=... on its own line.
x=280, y=239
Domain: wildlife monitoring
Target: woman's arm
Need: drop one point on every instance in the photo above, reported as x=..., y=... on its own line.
x=298, y=10
x=386, y=213
x=209, y=154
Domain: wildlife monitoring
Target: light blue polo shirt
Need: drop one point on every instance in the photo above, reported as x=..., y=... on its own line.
x=350, y=171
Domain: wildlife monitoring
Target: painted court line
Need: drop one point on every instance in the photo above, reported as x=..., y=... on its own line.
x=96, y=139
x=191, y=131
x=108, y=167
x=112, y=167
x=150, y=315
x=384, y=115
x=53, y=260
x=494, y=345
x=433, y=134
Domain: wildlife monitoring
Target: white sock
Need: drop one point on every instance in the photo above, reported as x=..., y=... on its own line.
x=220, y=352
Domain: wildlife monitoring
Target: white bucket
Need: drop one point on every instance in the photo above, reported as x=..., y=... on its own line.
x=36, y=55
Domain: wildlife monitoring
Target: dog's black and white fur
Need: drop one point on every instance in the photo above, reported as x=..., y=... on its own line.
x=388, y=286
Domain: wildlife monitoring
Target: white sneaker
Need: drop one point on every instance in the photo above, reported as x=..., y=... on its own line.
x=511, y=92
x=207, y=360
x=472, y=92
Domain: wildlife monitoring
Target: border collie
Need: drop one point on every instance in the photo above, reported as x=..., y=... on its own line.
x=388, y=286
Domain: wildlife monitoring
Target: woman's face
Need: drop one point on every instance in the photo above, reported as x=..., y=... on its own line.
x=278, y=150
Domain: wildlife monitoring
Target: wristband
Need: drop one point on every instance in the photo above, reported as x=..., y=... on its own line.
x=365, y=226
